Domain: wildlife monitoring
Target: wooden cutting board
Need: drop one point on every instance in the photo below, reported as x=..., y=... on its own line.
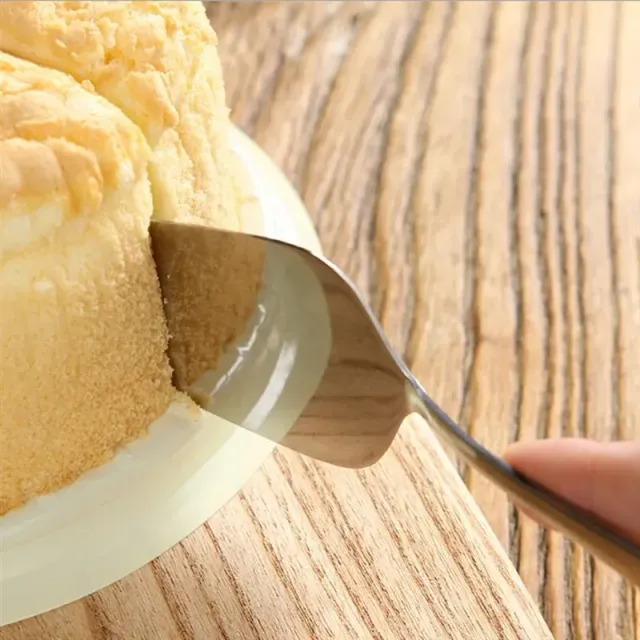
x=475, y=168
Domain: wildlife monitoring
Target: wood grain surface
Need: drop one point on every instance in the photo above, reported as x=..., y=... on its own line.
x=476, y=168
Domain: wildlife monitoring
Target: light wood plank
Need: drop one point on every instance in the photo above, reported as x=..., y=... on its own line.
x=474, y=167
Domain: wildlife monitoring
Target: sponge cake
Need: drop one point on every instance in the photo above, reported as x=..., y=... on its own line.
x=82, y=335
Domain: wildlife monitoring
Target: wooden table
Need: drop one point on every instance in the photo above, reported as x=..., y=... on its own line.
x=476, y=169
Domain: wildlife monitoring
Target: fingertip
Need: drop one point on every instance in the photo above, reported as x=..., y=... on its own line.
x=534, y=457
x=599, y=477
x=561, y=465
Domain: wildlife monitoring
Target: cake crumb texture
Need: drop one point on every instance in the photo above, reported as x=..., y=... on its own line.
x=83, y=364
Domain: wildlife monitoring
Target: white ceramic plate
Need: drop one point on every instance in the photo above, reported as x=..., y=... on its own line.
x=156, y=491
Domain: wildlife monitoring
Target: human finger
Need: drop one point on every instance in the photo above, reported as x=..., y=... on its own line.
x=601, y=478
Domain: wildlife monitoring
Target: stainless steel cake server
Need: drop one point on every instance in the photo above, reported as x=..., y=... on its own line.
x=313, y=369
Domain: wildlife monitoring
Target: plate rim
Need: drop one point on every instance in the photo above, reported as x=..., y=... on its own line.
x=193, y=502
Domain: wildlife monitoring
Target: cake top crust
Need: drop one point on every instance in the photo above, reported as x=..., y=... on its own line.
x=142, y=56
x=62, y=149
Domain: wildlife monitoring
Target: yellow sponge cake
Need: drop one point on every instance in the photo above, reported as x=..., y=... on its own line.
x=110, y=113
x=82, y=335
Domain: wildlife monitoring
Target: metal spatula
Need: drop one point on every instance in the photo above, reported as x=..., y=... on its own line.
x=313, y=370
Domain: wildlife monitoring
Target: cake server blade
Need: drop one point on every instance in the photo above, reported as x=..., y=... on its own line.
x=312, y=369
